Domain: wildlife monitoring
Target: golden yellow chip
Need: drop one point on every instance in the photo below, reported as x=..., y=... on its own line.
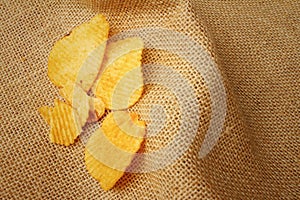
x=77, y=58
x=65, y=124
x=45, y=112
x=89, y=109
x=110, y=150
x=120, y=85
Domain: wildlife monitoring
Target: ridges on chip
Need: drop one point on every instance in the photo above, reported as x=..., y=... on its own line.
x=64, y=121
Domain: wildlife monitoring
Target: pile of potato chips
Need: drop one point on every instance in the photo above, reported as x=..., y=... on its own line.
x=84, y=63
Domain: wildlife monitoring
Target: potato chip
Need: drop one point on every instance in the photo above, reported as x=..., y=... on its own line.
x=120, y=85
x=97, y=109
x=45, y=112
x=110, y=150
x=77, y=58
x=124, y=129
x=64, y=122
x=78, y=99
x=89, y=109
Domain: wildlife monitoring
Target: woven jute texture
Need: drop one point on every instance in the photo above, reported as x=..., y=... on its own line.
x=255, y=46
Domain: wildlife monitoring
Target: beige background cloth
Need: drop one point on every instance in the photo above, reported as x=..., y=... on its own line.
x=256, y=46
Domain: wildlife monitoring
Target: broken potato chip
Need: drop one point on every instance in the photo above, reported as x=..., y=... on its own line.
x=97, y=109
x=77, y=58
x=81, y=62
x=110, y=150
x=64, y=123
x=90, y=109
x=120, y=84
x=78, y=99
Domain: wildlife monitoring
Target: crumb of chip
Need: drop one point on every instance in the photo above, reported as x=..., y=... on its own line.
x=45, y=112
x=23, y=59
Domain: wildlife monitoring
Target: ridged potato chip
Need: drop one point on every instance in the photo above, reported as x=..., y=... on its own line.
x=120, y=85
x=90, y=109
x=64, y=121
x=110, y=150
x=77, y=58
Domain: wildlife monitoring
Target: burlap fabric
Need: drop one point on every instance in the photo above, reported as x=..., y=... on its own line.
x=255, y=45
